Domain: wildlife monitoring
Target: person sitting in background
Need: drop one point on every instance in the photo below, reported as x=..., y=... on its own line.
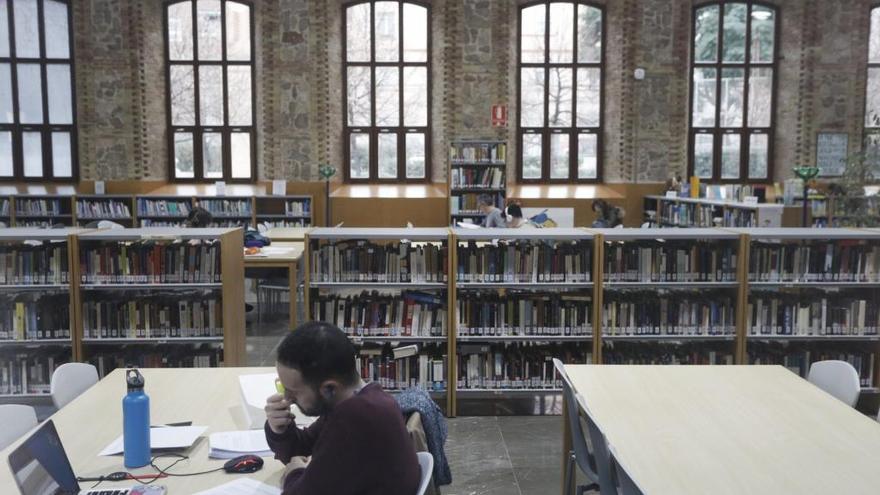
x=494, y=216
x=359, y=445
x=514, y=218
x=607, y=216
x=199, y=218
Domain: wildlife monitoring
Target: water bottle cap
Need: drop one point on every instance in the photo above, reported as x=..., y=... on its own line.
x=134, y=379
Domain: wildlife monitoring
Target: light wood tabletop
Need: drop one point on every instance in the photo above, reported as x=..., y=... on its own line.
x=730, y=430
x=287, y=234
x=206, y=396
x=281, y=255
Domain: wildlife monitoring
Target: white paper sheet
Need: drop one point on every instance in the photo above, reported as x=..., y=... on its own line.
x=176, y=437
x=229, y=444
x=242, y=486
x=255, y=389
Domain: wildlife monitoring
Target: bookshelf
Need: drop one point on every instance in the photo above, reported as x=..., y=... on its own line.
x=702, y=212
x=385, y=288
x=228, y=211
x=6, y=211
x=43, y=210
x=115, y=208
x=160, y=297
x=475, y=167
x=36, y=308
x=837, y=211
x=162, y=211
x=283, y=211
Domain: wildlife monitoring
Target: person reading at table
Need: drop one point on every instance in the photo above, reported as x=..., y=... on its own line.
x=359, y=443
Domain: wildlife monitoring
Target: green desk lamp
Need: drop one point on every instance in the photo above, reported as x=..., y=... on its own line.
x=806, y=174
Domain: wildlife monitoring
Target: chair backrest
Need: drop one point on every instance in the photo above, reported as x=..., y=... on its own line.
x=16, y=420
x=838, y=378
x=604, y=468
x=426, y=463
x=70, y=380
x=627, y=485
x=582, y=454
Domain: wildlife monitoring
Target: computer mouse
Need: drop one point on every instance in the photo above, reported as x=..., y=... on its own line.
x=243, y=464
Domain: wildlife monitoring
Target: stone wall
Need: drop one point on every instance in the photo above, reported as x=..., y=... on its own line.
x=121, y=84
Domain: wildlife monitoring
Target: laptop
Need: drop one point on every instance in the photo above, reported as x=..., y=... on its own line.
x=41, y=467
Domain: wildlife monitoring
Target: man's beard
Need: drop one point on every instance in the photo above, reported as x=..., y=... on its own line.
x=322, y=407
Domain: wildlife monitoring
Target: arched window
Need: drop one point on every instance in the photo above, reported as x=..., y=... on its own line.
x=209, y=54
x=561, y=62
x=733, y=80
x=872, y=97
x=387, y=81
x=37, y=112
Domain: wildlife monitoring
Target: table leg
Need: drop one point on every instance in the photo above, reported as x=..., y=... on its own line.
x=566, y=444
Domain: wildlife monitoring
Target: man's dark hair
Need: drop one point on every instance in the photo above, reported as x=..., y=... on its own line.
x=515, y=211
x=319, y=351
x=486, y=199
x=199, y=217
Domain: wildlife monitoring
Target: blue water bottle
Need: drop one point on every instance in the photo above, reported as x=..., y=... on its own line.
x=136, y=421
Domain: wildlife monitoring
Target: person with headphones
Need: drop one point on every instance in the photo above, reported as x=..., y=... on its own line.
x=359, y=443
x=514, y=217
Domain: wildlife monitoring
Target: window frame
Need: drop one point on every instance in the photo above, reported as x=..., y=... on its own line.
x=400, y=130
x=573, y=130
x=16, y=128
x=744, y=131
x=198, y=130
x=868, y=131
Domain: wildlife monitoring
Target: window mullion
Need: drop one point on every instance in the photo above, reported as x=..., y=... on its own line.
x=226, y=134
x=198, y=169
x=17, y=135
x=745, y=139
x=45, y=133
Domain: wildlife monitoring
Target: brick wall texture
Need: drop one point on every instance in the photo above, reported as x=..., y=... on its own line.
x=121, y=101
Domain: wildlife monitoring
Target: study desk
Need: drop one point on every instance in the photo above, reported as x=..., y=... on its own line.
x=287, y=234
x=730, y=430
x=281, y=255
x=206, y=396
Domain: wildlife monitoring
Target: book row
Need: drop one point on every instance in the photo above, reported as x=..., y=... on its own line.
x=227, y=207
x=412, y=314
x=478, y=152
x=653, y=315
x=469, y=203
x=46, y=317
x=271, y=224
x=687, y=214
x=29, y=264
x=102, y=209
x=513, y=367
x=297, y=208
x=153, y=319
x=466, y=178
x=776, y=315
x=666, y=353
x=24, y=374
x=421, y=371
x=162, y=356
x=844, y=261
x=4, y=207
x=670, y=262
x=162, y=208
x=151, y=262
x=799, y=360
x=42, y=207
x=363, y=261
x=525, y=262
x=519, y=314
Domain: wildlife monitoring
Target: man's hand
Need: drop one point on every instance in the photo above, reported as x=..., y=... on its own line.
x=278, y=413
x=298, y=462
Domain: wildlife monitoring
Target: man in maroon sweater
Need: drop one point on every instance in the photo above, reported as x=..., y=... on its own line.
x=359, y=444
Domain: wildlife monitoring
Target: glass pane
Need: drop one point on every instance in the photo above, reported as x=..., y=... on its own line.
x=387, y=96
x=209, y=29
x=60, y=99
x=733, y=45
x=180, y=38
x=532, y=97
x=706, y=34
x=357, y=32
x=387, y=31
x=183, y=155
x=588, y=156
x=589, y=103
x=183, y=110
x=704, y=98
x=5, y=93
x=30, y=94
x=5, y=152
x=211, y=95
x=415, y=96
x=55, y=18
x=238, y=31
x=415, y=156
x=415, y=33
x=212, y=155
x=27, y=29
x=732, y=82
x=763, y=33
x=240, y=98
x=872, y=108
x=360, y=156
x=240, y=154
x=4, y=29
x=758, y=152
x=589, y=34
x=730, y=156
x=561, y=32
x=387, y=151
x=872, y=147
x=559, y=148
x=32, y=147
x=760, y=96
x=704, y=151
x=531, y=156
x=559, y=97
x=62, y=164
x=874, y=44
x=532, y=33
x=359, y=96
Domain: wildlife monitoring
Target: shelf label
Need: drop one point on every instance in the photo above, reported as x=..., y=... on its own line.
x=672, y=194
x=750, y=200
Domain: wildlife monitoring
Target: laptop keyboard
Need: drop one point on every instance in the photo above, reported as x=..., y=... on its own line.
x=107, y=492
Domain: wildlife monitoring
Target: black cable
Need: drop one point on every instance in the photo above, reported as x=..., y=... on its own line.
x=182, y=457
x=124, y=476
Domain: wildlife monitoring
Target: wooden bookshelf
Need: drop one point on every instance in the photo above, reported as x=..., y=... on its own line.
x=44, y=210
x=475, y=167
x=228, y=211
x=702, y=212
x=162, y=211
x=291, y=211
x=115, y=208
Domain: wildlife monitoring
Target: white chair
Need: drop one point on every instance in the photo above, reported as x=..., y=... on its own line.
x=70, y=380
x=580, y=453
x=838, y=378
x=426, y=462
x=16, y=420
x=601, y=452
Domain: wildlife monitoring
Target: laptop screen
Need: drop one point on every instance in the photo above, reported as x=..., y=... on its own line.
x=40, y=465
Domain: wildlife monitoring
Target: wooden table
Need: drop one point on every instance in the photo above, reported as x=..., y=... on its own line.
x=288, y=259
x=287, y=234
x=730, y=430
x=206, y=396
